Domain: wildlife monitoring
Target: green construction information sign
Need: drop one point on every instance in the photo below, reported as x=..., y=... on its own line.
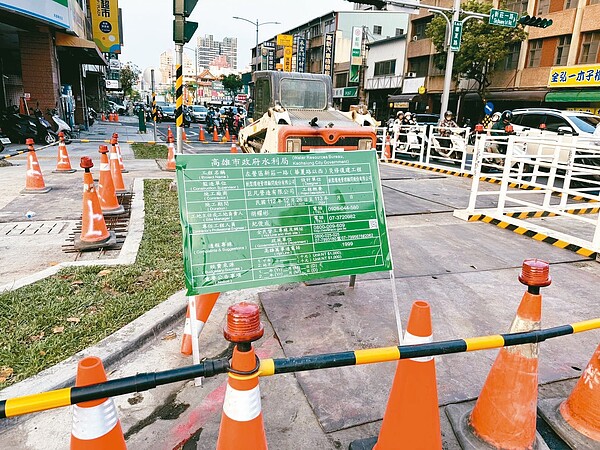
x=254, y=220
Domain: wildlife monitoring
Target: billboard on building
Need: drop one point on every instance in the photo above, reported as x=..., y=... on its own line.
x=105, y=25
x=328, y=50
x=55, y=12
x=301, y=55
x=575, y=76
x=355, y=55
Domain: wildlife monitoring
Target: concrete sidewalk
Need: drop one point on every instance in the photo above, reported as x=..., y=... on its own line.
x=467, y=271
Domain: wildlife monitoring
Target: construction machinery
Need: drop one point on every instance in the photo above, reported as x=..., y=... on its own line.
x=293, y=112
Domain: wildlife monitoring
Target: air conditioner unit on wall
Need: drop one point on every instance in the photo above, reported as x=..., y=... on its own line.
x=411, y=74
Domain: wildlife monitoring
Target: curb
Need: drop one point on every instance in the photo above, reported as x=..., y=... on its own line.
x=127, y=255
x=111, y=349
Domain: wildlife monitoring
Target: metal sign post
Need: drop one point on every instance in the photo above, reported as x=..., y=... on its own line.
x=153, y=101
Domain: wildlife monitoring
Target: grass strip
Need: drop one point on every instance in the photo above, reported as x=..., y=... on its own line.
x=52, y=319
x=150, y=151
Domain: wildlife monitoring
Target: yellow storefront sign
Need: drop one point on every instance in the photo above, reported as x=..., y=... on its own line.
x=105, y=25
x=286, y=40
x=575, y=76
x=287, y=59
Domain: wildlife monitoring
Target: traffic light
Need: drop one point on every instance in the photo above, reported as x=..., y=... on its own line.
x=533, y=21
x=182, y=29
x=183, y=7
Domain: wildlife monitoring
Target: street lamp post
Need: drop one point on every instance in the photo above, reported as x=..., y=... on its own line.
x=195, y=50
x=256, y=24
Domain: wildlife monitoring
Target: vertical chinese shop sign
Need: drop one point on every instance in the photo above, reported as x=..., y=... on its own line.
x=252, y=220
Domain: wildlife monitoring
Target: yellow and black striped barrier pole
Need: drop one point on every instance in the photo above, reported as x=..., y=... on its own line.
x=179, y=97
x=267, y=367
x=20, y=152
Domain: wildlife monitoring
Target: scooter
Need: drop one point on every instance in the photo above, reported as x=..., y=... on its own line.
x=17, y=127
x=4, y=140
x=45, y=134
x=60, y=125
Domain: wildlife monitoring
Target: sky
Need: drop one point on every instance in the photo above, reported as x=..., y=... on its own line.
x=148, y=24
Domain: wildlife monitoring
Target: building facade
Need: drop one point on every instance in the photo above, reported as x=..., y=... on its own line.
x=48, y=58
x=210, y=51
x=325, y=44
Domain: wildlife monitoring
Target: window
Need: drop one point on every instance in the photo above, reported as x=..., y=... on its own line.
x=385, y=68
x=535, y=53
x=543, y=7
x=554, y=122
x=571, y=4
x=594, y=2
x=511, y=60
x=419, y=65
x=341, y=79
x=562, y=50
x=377, y=29
x=589, y=48
x=419, y=28
x=519, y=6
x=438, y=64
x=262, y=97
x=532, y=120
x=306, y=94
x=330, y=26
x=315, y=30
x=400, y=31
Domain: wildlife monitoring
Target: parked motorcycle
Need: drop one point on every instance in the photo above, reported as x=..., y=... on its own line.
x=92, y=116
x=45, y=134
x=60, y=125
x=4, y=140
x=17, y=127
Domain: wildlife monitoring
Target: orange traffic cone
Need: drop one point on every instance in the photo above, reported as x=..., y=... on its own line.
x=118, y=148
x=95, y=423
x=169, y=132
x=204, y=305
x=63, y=163
x=215, y=135
x=34, y=183
x=94, y=233
x=103, y=117
x=227, y=137
x=201, y=134
x=582, y=409
x=115, y=168
x=184, y=136
x=106, y=188
x=505, y=412
x=412, y=419
x=388, y=148
x=171, y=167
x=111, y=117
x=116, y=117
x=234, y=147
x=242, y=424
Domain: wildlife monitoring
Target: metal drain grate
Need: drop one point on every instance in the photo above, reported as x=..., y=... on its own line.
x=33, y=228
x=118, y=223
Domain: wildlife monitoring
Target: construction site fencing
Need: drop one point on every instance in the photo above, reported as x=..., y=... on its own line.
x=539, y=176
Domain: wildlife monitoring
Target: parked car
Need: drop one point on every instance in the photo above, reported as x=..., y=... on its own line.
x=427, y=119
x=198, y=113
x=554, y=122
x=116, y=107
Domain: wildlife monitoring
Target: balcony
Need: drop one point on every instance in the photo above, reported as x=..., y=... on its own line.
x=385, y=82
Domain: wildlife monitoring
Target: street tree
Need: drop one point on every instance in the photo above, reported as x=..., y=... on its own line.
x=130, y=75
x=232, y=84
x=483, y=47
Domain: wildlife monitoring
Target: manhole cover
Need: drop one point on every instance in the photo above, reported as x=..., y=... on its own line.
x=32, y=228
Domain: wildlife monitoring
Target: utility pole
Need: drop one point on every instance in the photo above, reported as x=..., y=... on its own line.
x=153, y=101
x=449, y=60
x=361, y=82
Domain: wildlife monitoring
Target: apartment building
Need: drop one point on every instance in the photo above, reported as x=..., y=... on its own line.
x=324, y=45
x=211, y=51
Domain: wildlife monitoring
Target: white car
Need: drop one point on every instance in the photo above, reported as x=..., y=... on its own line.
x=119, y=109
x=571, y=125
x=199, y=113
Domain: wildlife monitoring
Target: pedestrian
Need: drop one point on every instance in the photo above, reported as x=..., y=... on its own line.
x=397, y=128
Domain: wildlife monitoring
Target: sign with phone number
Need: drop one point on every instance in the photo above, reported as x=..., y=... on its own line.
x=254, y=220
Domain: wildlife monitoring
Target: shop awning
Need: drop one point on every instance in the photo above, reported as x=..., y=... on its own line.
x=532, y=96
x=572, y=95
x=402, y=98
x=81, y=50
